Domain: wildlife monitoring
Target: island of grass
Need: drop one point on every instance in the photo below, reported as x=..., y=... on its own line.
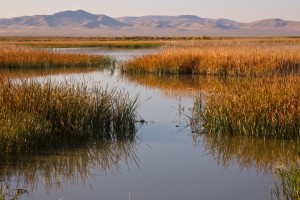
x=41, y=116
x=261, y=107
x=265, y=105
x=247, y=57
x=18, y=57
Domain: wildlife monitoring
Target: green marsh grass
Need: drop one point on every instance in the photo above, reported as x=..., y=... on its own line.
x=36, y=116
x=264, y=107
x=232, y=57
x=25, y=57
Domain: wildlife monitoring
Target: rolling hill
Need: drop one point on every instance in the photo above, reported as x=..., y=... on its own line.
x=82, y=23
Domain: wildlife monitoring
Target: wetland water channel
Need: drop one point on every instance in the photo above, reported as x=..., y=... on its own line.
x=166, y=161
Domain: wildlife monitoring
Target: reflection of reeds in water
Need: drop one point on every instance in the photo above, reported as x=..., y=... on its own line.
x=174, y=85
x=236, y=58
x=25, y=57
x=262, y=153
x=35, y=116
x=31, y=73
x=57, y=170
x=248, y=152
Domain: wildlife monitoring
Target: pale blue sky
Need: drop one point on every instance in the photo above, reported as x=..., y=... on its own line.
x=240, y=10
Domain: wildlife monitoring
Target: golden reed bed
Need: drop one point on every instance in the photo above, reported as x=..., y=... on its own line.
x=25, y=57
x=235, y=58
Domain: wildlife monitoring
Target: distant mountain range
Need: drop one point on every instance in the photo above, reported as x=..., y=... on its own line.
x=82, y=23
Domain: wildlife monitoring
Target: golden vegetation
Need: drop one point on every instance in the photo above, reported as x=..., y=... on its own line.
x=230, y=57
x=25, y=57
x=71, y=42
x=40, y=116
x=266, y=107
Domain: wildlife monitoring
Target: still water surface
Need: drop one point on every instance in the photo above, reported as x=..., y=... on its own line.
x=166, y=162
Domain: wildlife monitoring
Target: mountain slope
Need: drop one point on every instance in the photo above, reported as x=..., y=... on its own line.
x=82, y=23
x=77, y=18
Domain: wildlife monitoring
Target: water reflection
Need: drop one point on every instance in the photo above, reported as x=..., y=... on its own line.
x=120, y=54
x=171, y=168
x=246, y=152
x=31, y=73
x=68, y=167
x=263, y=154
x=181, y=85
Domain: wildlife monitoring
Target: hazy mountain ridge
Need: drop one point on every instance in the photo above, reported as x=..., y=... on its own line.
x=82, y=23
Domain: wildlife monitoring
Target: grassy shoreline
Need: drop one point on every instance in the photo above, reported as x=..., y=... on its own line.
x=265, y=107
x=12, y=56
x=224, y=58
x=132, y=42
x=37, y=116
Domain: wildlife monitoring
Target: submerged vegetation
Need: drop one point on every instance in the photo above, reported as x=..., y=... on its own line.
x=36, y=116
x=25, y=57
x=234, y=58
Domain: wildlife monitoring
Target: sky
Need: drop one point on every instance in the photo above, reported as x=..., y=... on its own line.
x=239, y=10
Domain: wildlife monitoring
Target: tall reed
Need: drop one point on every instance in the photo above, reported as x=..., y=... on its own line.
x=221, y=58
x=288, y=187
x=35, y=116
x=26, y=57
x=267, y=107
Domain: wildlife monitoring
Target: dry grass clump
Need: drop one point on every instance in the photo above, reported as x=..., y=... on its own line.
x=266, y=107
x=26, y=57
x=35, y=116
x=223, y=58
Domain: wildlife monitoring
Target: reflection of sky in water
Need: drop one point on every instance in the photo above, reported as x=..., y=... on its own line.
x=170, y=166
